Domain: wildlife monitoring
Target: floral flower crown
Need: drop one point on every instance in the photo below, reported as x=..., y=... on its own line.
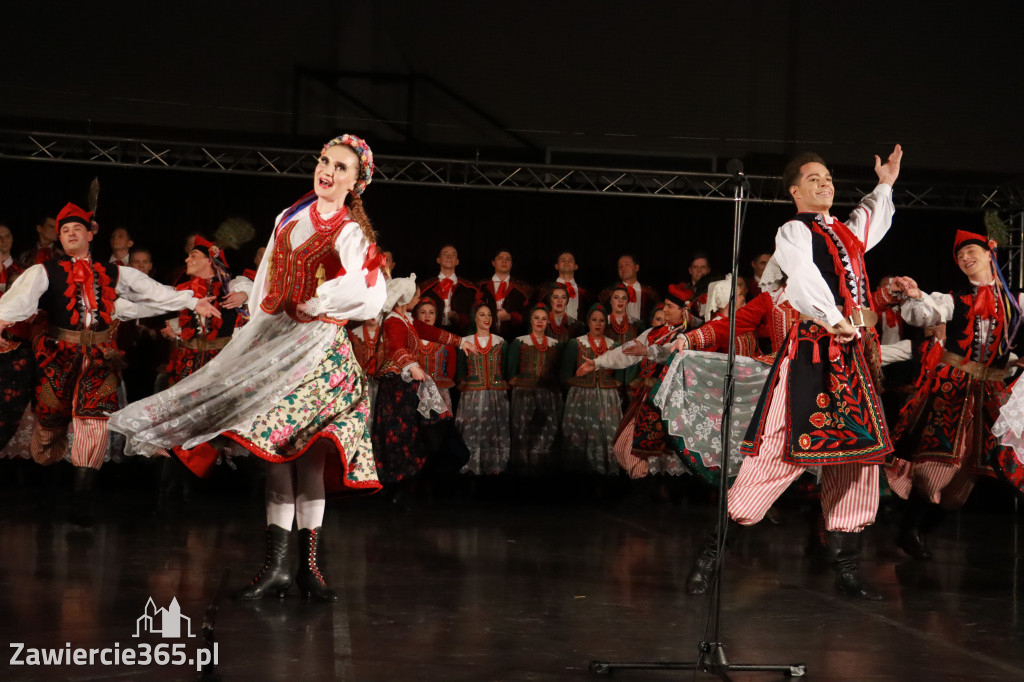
x=362, y=150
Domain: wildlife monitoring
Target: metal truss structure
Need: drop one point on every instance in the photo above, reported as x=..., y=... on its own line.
x=495, y=175
x=1012, y=263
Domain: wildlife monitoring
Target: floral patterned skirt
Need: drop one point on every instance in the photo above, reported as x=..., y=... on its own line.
x=536, y=416
x=396, y=427
x=17, y=381
x=592, y=416
x=329, y=402
x=482, y=422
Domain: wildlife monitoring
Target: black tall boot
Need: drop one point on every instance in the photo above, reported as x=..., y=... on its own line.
x=703, y=571
x=309, y=578
x=845, y=548
x=919, y=518
x=82, y=511
x=275, y=574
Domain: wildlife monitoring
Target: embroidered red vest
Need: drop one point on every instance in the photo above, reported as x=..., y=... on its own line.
x=294, y=274
x=438, y=361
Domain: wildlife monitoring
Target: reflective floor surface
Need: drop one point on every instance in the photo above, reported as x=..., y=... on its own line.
x=457, y=590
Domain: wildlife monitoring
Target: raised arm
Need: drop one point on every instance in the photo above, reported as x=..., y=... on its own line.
x=872, y=218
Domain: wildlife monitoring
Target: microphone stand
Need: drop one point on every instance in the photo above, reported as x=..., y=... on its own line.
x=711, y=653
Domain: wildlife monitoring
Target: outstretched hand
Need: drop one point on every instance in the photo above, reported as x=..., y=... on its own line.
x=205, y=308
x=469, y=348
x=890, y=170
x=907, y=285
x=586, y=367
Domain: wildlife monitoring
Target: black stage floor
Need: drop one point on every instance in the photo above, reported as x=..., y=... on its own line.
x=500, y=590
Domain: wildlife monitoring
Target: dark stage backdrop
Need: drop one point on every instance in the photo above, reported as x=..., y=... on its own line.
x=159, y=207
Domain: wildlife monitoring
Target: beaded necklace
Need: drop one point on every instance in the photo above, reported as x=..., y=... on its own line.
x=617, y=327
x=558, y=328
x=329, y=225
x=483, y=349
x=537, y=344
x=376, y=334
x=598, y=349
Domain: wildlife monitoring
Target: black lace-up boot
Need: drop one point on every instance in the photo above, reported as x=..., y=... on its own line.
x=274, y=576
x=309, y=578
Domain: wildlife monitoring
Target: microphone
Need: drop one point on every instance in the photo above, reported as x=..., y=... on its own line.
x=734, y=167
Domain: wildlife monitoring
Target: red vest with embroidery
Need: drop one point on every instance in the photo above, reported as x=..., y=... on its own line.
x=294, y=274
x=438, y=361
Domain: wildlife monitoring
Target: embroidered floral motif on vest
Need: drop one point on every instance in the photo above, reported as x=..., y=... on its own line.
x=296, y=273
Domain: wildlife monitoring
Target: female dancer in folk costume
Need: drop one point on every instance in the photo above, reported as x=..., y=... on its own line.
x=657, y=315
x=561, y=327
x=621, y=327
x=366, y=344
x=948, y=433
x=593, y=409
x=532, y=370
x=437, y=359
x=483, y=418
x=407, y=395
x=17, y=364
x=641, y=445
x=445, y=452
x=288, y=387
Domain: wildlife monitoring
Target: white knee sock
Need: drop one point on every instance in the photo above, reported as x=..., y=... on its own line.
x=280, y=495
x=309, y=484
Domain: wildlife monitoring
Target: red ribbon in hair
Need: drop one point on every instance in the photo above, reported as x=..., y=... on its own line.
x=374, y=259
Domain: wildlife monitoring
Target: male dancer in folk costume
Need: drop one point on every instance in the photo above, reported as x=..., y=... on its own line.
x=288, y=387
x=455, y=296
x=77, y=360
x=819, y=406
x=198, y=340
x=510, y=296
x=945, y=432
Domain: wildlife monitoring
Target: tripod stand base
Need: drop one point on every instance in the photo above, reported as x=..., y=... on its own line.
x=711, y=660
